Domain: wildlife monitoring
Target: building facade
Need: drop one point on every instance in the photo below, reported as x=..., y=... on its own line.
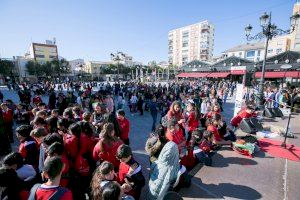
x=95, y=67
x=256, y=51
x=295, y=36
x=42, y=52
x=76, y=66
x=193, y=42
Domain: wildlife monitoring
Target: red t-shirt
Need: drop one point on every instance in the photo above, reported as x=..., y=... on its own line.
x=108, y=153
x=192, y=122
x=71, y=146
x=125, y=128
x=215, y=132
x=235, y=121
x=212, y=113
x=7, y=116
x=87, y=144
x=44, y=192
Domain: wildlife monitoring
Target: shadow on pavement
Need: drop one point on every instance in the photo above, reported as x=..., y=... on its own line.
x=262, y=154
x=221, y=191
x=220, y=161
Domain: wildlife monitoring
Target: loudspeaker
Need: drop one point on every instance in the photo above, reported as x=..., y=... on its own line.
x=269, y=113
x=257, y=124
x=277, y=112
x=250, y=125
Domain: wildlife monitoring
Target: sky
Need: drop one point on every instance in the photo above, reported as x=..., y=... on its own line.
x=92, y=29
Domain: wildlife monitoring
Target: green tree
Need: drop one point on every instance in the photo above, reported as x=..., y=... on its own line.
x=60, y=67
x=6, y=67
x=34, y=68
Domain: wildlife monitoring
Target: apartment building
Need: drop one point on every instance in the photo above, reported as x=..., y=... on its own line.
x=193, y=42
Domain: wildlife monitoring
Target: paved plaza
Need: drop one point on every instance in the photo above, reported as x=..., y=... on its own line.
x=232, y=176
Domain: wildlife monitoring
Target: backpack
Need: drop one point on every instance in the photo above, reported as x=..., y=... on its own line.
x=56, y=195
x=164, y=121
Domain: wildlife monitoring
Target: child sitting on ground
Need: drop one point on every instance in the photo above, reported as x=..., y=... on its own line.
x=201, y=146
x=130, y=172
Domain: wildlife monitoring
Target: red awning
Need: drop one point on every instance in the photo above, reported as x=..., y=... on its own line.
x=271, y=74
x=238, y=72
x=181, y=75
x=292, y=74
x=218, y=74
x=192, y=75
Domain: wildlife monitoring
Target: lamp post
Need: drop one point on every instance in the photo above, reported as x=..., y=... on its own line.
x=117, y=57
x=269, y=31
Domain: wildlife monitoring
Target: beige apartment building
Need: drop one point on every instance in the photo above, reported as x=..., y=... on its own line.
x=193, y=42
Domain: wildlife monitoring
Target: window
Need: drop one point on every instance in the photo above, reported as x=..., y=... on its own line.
x=52, y=56
x=185, y=44
x=185, y=34
x=278, y=50
x=184, y=60
x=185, y=51
x=270, y=51
x=39, y=56
x=250, y=54
x=258, y=52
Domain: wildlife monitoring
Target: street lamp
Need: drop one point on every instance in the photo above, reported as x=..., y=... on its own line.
x=269, y=31
x=117, y=57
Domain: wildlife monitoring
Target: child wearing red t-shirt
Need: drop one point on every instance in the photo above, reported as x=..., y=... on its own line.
x=175, y=134
x=130, y=172
x=106, y=148
x=57, y=149
x=124, y=126
x=28, y=146
x=246, y=113
x=192, y=121
x=212, y=127
x=51, y=189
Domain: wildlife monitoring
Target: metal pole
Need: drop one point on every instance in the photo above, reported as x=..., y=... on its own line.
x=287, y=130
x=262, y=79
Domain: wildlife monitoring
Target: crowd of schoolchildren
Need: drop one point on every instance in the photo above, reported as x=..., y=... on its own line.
x=79, y=147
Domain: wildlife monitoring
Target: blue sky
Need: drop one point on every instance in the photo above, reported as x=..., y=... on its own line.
x=92, y=29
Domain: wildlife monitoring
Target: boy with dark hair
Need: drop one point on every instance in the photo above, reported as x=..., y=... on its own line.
x=28, y=147
x=47, y=141
x=130, y=172
x=174, y=133
x=52, y=121
x=51, y=189
x=57, y=149
x=124, y=126
x=15, y=161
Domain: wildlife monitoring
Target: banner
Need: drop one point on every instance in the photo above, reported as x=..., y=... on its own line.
x=238, y=98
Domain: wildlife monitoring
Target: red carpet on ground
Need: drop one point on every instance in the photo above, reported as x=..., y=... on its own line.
x=273, y=147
